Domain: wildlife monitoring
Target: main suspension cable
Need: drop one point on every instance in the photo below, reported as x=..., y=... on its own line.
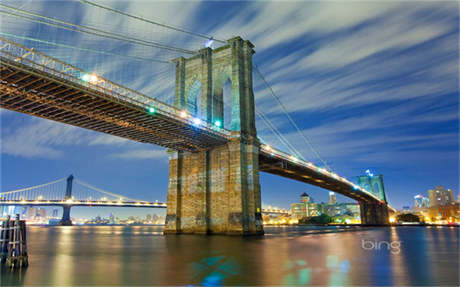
x=82, y=49
x=89, y=30
x=299, y=131
x=152, y=22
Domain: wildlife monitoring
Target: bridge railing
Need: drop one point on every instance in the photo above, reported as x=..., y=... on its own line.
x=32, y=58
x=291, y=158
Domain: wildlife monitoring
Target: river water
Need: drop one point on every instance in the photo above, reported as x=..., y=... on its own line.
x=141, y=255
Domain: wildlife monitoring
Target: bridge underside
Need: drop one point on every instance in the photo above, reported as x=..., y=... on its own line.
x=373, y=212
x=291, y=170
x=31, y=91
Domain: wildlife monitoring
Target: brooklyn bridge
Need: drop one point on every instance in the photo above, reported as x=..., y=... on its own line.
x=213, y=168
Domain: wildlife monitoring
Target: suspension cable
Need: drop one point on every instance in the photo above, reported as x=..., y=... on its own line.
x=299, y=131
x=152, y=22
x=275, y=131
x=279, y=134
x=83, y=49
x=32, y=187
x=103, y=191
x=90, y=30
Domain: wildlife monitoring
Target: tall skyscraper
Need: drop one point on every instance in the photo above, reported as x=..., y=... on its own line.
x=332, y=198
x=440, y=196
x=421, y=201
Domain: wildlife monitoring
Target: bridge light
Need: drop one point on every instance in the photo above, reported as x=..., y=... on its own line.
x=293, y=158
x=40, y=197
x=151, y=110
x=196, y=121
x=369, y=173
x=183, y=114
x=85, y=77
x=267, y=147
x=217, y=123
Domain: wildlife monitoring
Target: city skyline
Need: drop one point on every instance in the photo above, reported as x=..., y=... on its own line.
x=407, y=131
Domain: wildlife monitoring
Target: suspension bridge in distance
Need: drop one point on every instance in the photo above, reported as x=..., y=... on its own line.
x=71, y=192
x=214, y=170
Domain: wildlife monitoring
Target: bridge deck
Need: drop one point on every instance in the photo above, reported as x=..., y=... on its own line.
x=39, y=93
x=275, y=163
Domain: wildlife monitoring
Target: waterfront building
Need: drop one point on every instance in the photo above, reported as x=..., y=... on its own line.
x=41, y=212
x=305, y=208
x=304, y=198
x=339, y=209
x=31, y=213
x=440, y=196
x=421, y=201
x=332, y=198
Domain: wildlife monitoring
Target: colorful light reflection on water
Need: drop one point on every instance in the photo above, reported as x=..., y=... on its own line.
x=287, y=256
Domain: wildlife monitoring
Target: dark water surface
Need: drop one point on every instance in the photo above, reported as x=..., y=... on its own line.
x=141, y=255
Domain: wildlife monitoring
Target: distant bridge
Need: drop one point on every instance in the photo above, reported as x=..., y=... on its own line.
x=78, y=193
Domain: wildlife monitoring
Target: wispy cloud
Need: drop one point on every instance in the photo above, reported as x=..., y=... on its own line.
x=140, y=154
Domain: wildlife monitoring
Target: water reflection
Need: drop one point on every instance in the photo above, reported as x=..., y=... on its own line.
x=289, y=256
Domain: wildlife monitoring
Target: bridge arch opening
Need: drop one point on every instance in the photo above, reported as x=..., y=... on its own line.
x=193, y=99
x=223, y=105
x=227, y=95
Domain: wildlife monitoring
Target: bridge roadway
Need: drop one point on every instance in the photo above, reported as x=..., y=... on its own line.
x=83, y=203
x=88, y=203
x=38, y=85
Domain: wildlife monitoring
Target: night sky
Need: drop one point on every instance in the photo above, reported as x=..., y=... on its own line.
x=373, y=85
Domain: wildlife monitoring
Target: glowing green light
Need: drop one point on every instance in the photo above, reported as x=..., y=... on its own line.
x=217, y=123
x=151, y=110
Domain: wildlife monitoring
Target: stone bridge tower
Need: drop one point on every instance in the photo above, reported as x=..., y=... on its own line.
x=218, y=190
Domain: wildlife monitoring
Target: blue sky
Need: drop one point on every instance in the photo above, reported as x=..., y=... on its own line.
x=372, y=84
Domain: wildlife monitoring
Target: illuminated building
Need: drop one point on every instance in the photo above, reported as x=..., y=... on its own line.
x=421, y=201
x=332, y=198
x=304, y=197
x=440, y=196
x=31, y=213
x=338, y=209
x=41, y=212
x=305, y=208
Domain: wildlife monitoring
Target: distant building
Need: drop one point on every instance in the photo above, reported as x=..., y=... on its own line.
x=305, y=208
x=338, y=209
x=332, y=198
x=41, y=212
x=304, y=197
x=31, y=213
x=440, y=196
x=420, y=201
